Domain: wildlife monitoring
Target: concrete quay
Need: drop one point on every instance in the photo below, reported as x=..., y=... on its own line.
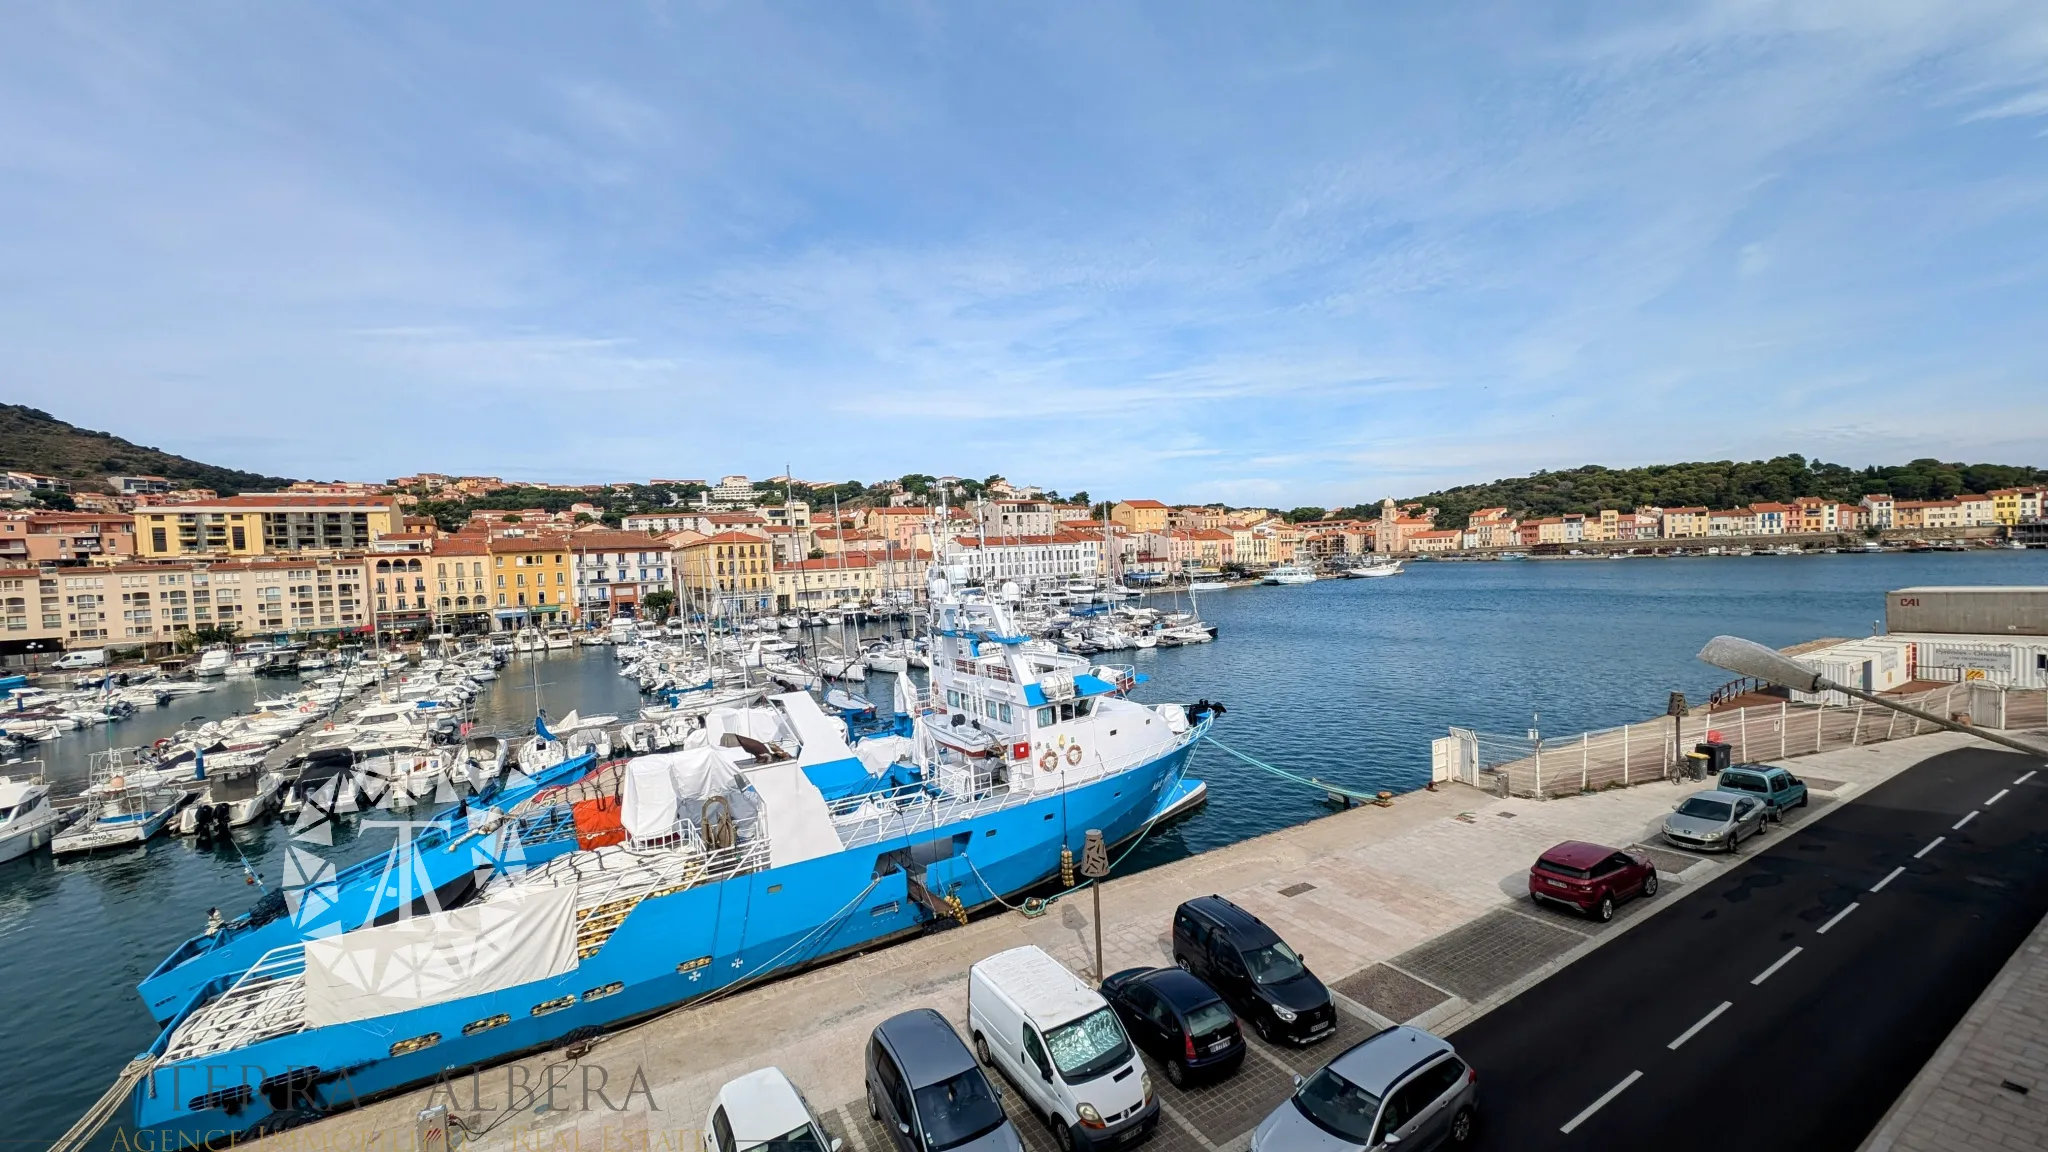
x=1415, y=913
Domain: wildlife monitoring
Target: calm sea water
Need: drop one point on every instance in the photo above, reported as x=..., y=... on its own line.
x=1348, y=680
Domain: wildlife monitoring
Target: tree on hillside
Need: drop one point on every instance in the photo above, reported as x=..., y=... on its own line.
x=1304, y=513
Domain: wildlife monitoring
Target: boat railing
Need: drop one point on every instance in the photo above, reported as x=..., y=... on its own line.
x=925, y=804
x=266, y=1001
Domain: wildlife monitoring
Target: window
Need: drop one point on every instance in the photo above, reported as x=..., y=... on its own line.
x=1045, y=716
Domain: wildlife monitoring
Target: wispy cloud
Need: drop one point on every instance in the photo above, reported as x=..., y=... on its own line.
x=1182, y=250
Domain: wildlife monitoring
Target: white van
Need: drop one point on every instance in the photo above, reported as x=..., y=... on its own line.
x=1061, y=1044
x=82, y=658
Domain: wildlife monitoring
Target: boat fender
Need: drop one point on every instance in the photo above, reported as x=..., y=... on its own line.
x=1073, y=753
x=1049, y=761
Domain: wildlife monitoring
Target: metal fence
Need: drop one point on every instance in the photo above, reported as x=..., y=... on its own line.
x=1645, y=752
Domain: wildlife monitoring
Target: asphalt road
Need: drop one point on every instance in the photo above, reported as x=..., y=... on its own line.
x=1788, y=1003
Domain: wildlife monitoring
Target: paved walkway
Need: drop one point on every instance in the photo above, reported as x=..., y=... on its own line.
x=1987, y=1088
x=1413, y=913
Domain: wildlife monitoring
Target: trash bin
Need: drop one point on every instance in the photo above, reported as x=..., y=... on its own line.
x=1696, y=765
x=1719, y=755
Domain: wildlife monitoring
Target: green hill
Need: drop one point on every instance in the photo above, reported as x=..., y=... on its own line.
x=32, y=440
x=1716, y=484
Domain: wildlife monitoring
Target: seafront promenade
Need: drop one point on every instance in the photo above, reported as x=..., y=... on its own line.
x=1412, y=913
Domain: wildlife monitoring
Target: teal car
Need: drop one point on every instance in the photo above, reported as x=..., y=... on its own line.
x=1779, y=789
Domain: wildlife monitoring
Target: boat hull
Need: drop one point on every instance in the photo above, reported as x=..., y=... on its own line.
x=669, y=951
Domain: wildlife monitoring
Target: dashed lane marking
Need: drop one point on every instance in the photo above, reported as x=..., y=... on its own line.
x=1835, y=919
x=1997, y=798
x=1596, y=1105
x=1963, y=821
x=1891, y=876
x=1689, y=1033
x=2027, y=777
x=1782, y=961
x=1931, y=846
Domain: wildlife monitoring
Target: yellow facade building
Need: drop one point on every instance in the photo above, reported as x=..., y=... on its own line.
x=530, y=581
x=730, y=572
x=264, y=524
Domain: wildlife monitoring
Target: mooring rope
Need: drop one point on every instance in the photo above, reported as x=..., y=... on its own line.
x=102, y=1109
x=1284, y=774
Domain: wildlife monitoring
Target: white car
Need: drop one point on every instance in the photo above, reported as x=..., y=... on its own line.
x=763, y=1112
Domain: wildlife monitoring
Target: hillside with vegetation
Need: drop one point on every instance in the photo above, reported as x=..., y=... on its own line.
x=1715, y=484
x=32, y=440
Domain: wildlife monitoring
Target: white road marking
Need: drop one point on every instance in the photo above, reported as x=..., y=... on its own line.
x=1766, y=973
x=1836, y=919
x=1894, y=875
x=1964, y=820
x=1596, y=1105
x=1932, y=845
x=1689, y=1033
x=1997, y=798
x=2027, y=777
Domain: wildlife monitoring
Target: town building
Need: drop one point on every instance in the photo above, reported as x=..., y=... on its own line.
x=1685, y=523
x=1027, y=560
x=1140, y=515
x=139, y=485
x=461, y=574
x=615, y=572
x=1880, y=508
x=812, y=584
x=264, y=524
x=530, y=583
x=65, y=538
x=726, y=573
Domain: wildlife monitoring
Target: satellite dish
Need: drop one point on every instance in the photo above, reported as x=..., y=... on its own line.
x=1011, y=592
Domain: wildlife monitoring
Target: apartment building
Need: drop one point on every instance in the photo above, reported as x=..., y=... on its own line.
x=615, y=572
x=65, y=538
x=264, y=524
x=729, y=573
x=459, y=572
x=1028, y=560
x=530, y=583
x=1140, y=515
x=31, y=612
x=155, y=603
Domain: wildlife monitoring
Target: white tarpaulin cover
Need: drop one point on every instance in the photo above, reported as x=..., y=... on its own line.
x=444, y=956
x=877, y=753
x=668, y=786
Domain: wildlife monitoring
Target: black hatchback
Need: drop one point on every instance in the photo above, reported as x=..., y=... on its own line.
x=1179, y=1020
x=1268, y=983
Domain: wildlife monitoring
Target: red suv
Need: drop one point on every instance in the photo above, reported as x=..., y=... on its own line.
x=1589, y=878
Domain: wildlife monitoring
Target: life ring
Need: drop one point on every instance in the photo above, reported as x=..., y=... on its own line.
x=1049, y=761
x=1073, y=753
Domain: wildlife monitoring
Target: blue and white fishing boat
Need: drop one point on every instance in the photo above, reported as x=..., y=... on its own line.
x=438, y=861
x=775, y=839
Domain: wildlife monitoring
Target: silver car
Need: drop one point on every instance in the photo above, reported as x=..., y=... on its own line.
x=1401, y=1087
x=1715, y=821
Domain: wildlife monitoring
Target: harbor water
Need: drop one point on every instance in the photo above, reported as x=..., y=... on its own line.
x=1346, y=680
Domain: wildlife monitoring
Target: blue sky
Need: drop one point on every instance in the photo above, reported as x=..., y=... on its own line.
x=1315, y=253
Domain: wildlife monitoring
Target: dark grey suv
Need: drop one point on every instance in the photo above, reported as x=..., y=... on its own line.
x=928, y=1093
x=1401, y=1087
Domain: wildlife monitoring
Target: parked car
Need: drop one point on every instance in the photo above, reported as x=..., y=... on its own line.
x=1780, y=789
x=1268, y=983
x=1401, y=1087
x=763, y=1110
x=1063, y=1047
x=928, y=1093
x=1179, y=1020
x=1714, y=819
x=1590, y=878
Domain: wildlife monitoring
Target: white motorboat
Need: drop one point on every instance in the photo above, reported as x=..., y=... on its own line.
x=559, y=638
x=235, y=803
x=1289, y=574
x=886, y=656
x=27, y=821
x=214, y=661
x=129, y=818
x=1373, y=570
x=847, y=668
x=1207, y=586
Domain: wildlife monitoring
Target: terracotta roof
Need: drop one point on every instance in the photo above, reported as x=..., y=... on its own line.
x=1143, y=504
x=728, y=538
x=613, y=541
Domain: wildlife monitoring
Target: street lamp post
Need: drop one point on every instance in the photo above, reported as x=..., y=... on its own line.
x=1749, y=658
